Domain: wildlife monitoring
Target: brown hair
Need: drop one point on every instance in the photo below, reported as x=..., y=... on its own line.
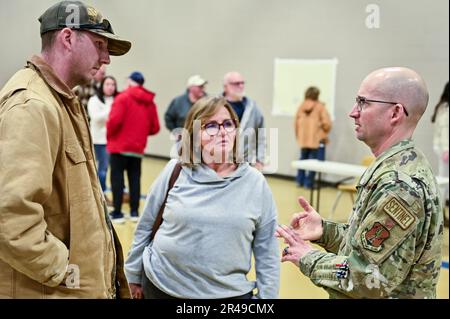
x=202, y=110
x=48, y=39
x=100, y=94
x=312, y=93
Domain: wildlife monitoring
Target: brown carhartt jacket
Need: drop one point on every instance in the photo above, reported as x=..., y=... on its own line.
x=56, y=240
x=312, y=124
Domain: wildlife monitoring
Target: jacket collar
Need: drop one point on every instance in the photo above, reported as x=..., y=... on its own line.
x=394, y=149
x=45, y=70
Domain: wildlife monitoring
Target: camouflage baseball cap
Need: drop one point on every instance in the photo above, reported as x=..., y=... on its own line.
x=77, y=15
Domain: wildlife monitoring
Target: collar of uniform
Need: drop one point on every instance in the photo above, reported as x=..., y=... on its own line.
x=394, y=149
x=50, y=77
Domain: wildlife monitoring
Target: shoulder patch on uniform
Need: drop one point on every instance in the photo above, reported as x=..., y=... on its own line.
x=399, y=213
x=372, y=239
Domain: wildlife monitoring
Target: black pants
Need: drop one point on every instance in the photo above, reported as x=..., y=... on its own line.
x=119, y=164
x=152, y=292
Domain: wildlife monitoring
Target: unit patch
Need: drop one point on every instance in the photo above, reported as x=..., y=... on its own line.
x=372, y=239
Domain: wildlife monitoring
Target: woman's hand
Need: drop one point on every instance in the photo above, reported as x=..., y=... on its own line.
x=136, y=291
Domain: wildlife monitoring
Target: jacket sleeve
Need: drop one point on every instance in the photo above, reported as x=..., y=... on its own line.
x=29, y=143
x=116, y=115
x=170, y=117
x=381, y=252
x=296, y=121
x=134, y=264
x=444, y=129
x=445, y=137
x=261, y=134
x=154, y=120
x=440, y=129
x=325, y=120
x=266, y=252
x=333, y=234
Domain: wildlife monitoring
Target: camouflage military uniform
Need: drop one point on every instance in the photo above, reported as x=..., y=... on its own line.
x=391, y=246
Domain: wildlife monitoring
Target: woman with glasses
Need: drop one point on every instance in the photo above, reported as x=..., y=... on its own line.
x=218, y=213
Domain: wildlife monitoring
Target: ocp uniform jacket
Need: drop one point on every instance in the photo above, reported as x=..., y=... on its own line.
x=56, y=240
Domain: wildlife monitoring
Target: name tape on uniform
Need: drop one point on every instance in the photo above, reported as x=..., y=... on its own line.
x=399, y=213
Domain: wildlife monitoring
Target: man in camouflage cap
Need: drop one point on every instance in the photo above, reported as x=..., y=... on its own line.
x=56, y=240
x=391, y=246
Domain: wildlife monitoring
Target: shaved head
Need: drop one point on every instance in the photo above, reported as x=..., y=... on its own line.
x=396, y=100
x=401, y=85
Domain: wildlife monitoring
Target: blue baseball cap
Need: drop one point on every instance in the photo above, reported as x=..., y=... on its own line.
x=137, y=77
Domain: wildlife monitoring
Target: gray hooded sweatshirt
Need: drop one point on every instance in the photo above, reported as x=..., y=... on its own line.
x=211, y=227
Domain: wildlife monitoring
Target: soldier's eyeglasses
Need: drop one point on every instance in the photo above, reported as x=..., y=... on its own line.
x=213, y=128
x=361, y=101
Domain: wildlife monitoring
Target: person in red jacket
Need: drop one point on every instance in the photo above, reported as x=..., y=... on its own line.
x=132, y=119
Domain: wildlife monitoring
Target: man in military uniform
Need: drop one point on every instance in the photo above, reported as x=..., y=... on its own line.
x=391, y=246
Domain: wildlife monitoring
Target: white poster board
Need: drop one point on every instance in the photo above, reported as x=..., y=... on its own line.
x=293, y=77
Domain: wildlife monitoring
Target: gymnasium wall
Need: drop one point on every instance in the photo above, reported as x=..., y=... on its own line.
x=173, y=39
